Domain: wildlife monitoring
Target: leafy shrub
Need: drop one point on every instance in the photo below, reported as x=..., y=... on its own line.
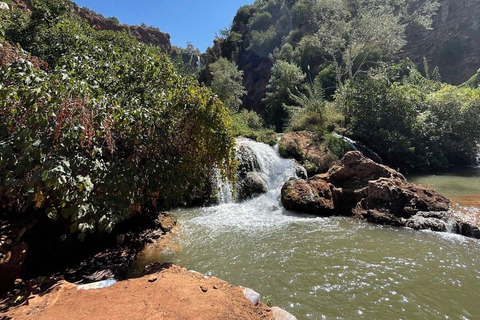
x=411, y=123
x=283, y=90
x=112, y=131
x=260, y=21
x=227, y=83
x=250, y=125
x=264, y=42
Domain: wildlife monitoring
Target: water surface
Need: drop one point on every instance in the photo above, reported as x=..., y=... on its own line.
x=328, y=268
x=461, y=185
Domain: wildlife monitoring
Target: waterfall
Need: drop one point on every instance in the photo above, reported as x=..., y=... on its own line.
x=224, y=189
x=262, y=211
x=264, y=161
x=357, y=146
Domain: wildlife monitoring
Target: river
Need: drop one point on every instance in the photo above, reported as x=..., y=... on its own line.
x=328, y=268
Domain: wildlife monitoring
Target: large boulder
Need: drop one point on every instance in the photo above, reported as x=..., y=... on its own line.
x=309, y=197
x=251, y=185
x=354, y=171
x=247, y=160
x=356, y=185
x=401, y=198
x=249, y=178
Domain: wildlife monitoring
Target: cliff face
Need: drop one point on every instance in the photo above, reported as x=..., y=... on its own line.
x=144, y=34
x=454, y=43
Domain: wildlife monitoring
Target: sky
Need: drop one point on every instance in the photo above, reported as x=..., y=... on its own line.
x=185, y=20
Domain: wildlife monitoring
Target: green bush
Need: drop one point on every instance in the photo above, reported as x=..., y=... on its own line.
x=412, y=122
x=260, y=21
x=249, y=124
x=112, y=131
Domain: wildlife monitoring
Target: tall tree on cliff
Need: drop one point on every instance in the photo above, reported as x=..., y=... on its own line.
x=356, y=34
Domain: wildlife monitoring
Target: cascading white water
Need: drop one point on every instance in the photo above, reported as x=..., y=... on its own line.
x=265, y=210
x=224, y=189
x=273, y=170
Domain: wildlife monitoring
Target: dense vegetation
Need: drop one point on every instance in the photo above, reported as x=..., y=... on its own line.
x=109, y=131
x=334, y=66
x=97, y=127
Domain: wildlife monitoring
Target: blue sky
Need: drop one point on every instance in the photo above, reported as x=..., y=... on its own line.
x=185, y=20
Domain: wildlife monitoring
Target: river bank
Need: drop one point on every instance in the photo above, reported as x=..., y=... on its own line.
x=168, y=293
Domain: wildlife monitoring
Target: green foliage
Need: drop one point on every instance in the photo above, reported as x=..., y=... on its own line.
x=336, y=146
x=283, y=90
x=250, y=125
x=474, y=81
x=264, y=42
x=260, y=21
x=112, y=131
x=413, y=122
x=227, y=83
x=309, y=115
x=186, y=60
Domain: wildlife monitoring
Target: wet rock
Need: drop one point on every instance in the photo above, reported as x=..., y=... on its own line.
x=419, y=222
x=465, y=223
x=251, y=295
x=247, y=160
x=401, y=198
x=167, y=223
x=314, y=196
x=280, y=314
x=357, y=185
x=253, y=184
x=300, y=171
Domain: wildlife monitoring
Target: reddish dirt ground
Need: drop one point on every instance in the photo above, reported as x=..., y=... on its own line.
x=173, y=293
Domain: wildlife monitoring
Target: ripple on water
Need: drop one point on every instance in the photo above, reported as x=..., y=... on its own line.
x=333, y=267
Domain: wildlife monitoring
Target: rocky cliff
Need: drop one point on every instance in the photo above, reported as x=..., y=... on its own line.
x=453, y=45
x=148, y=35
x=454, y=42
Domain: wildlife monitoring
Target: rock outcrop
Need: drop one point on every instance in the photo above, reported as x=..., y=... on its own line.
x=453, y=44
x=249, y=178
x=309, y=150
x=145, y=34
x=360, y=187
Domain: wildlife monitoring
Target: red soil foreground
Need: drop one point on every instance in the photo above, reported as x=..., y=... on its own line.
x=173, y=293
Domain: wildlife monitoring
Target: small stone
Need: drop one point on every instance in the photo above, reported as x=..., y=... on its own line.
x=4, y=6
x=215, y=287
x=204, y=289
x=280, y=314
x=251, y=295
x=152, y=279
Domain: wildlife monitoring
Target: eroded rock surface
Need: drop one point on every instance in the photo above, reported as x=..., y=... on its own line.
x=360, y=187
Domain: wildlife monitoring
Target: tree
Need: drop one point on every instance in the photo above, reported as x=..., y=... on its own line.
x=227, y=83
x=284, y=86
x=356, y=33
